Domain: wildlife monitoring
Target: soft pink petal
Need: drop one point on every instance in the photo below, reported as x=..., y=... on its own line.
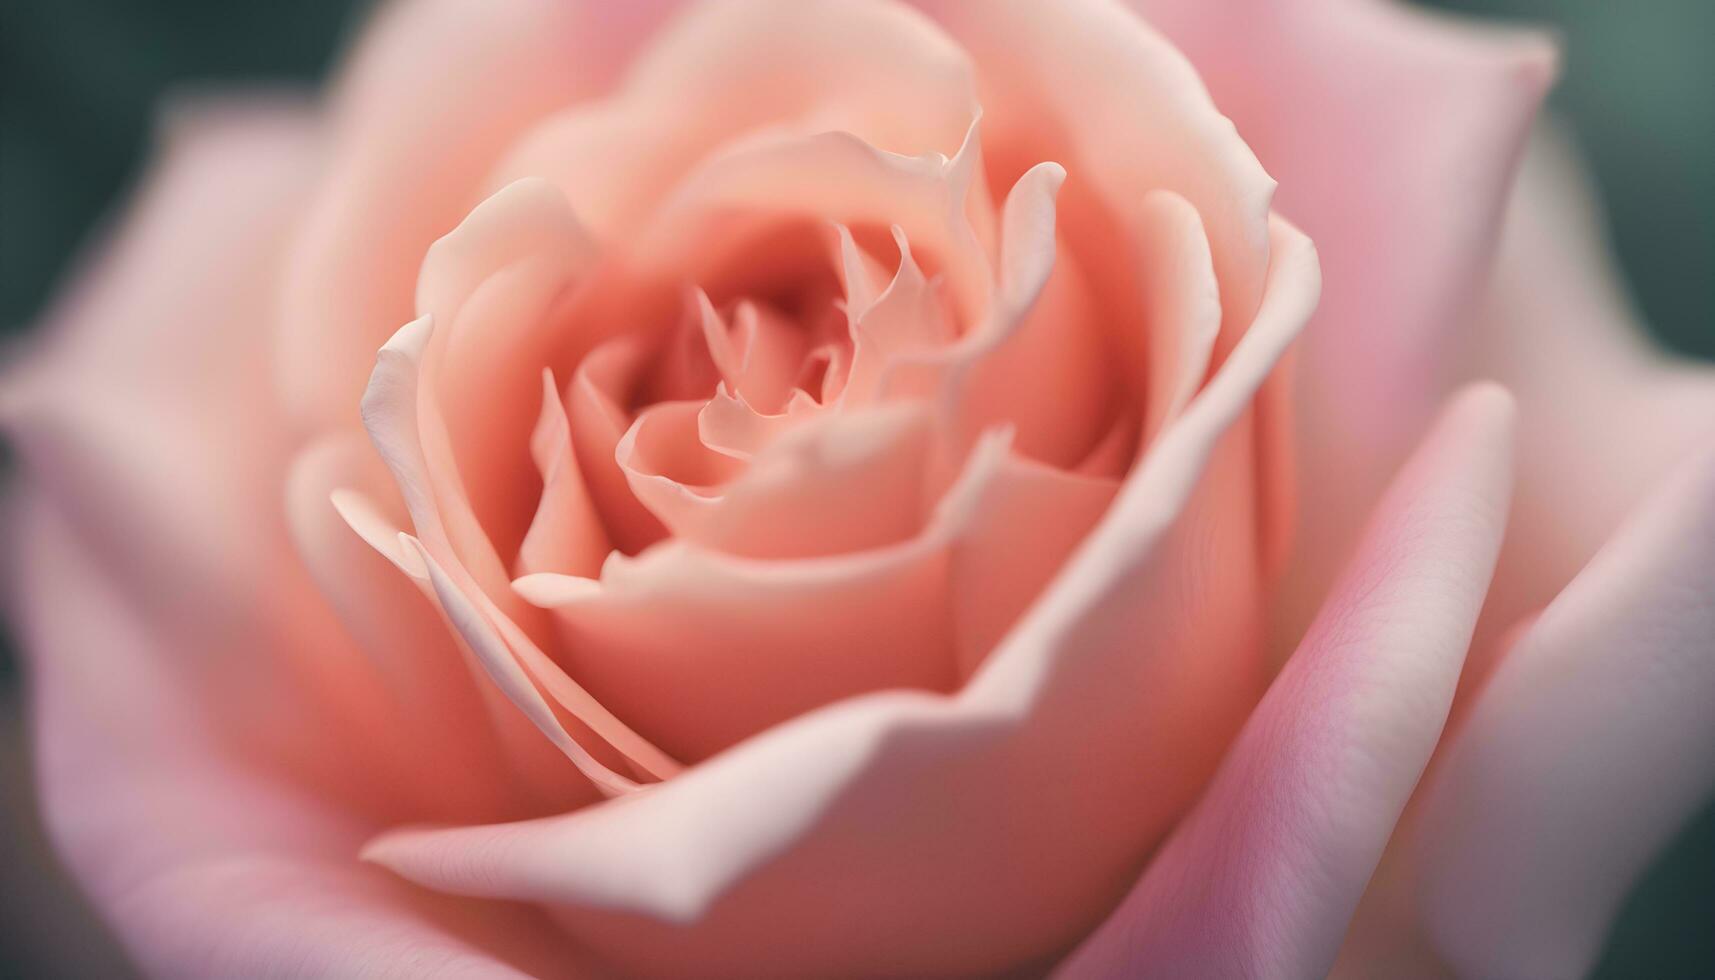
x=182, y=504
x=1590, y=747
x=1263, y=877
x=918, y=804
x=209, y=862
x=1605, y=415
x=107, y=408
x=1394, y=134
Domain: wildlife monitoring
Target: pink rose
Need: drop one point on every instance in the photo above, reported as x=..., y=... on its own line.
x=814, y=488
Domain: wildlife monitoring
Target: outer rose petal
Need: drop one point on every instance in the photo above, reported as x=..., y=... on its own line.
x=919, y=806
x=1263, y=876
x=1604, y=414
x=207, y=865
x=1593, y=743
x=189, y=687
x=183, y=505
x=436, y=93
x=1394, y=134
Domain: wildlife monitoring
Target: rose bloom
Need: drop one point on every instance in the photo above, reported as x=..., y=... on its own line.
x=817, y=488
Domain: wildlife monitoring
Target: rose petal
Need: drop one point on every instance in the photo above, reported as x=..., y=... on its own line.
x=827, y=177
x=842, y=483
x=566, y=534
x=899, y=796
x=877, y=70
x=427, y=690
x=1262, y=878
x=1184, y=318
x=1590, y=747
x=1606, y=415
x=1394, y=133
x=1098, y=90
x=424, y=70
x=699, y=649
x=397, y=418
x=107, y=406
x=597, y=404
x=483, y=638
x=493, y=285
x=216, y=864
x=182, y=504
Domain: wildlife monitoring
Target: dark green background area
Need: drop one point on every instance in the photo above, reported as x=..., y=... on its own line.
x=80, y=79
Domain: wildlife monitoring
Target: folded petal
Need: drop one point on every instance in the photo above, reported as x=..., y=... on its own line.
x=1262, y=878
x=1395, y=134
x=700, y=649
x=839, y=484
x=216, y=863
x=1098, y=90
x=182, y=504
x=879, y=70
x=1605, y=415
x=1590, y=747
x=398, y=178
x=426, y=693
x=566, y=534
x=917, y=803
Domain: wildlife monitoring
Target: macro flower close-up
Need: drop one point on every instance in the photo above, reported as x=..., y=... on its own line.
x=863, y=488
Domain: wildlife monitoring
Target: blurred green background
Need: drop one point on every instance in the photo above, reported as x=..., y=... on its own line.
x=79, y=80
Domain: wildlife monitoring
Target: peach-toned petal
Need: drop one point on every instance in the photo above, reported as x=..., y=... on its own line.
x=493, y=285
x=1042, y=363
x=392, y=411
x=452, y=393
x=427, y=692
x=1261, y=879
x=566, y=534
x=598, y=405
x=826, y=177
x=1590, y=747
x=729, y=425
x=699, y=649
x=899, y=796
x=840, y=484
x=1031, y=362
x=1098, y=90
x=264, y=915
x=994, y=577
x=1175, y=355
x=483, y=638
x=877, y=70
x=904, y=319
x=431, y=98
